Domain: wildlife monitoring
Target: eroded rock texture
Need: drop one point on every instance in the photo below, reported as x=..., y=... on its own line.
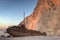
x=45, y=18
x=21, y=31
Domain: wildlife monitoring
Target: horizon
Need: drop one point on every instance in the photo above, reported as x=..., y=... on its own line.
x=11, y=11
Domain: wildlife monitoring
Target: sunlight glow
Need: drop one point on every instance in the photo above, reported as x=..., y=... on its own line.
x=3, y=23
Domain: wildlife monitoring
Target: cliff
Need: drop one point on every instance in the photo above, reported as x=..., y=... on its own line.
x=45, y=18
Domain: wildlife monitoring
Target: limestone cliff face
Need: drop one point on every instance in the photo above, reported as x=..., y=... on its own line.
x=45, y=17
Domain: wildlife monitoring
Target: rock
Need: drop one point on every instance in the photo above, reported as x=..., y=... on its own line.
x=45, y=18
x=22, y=31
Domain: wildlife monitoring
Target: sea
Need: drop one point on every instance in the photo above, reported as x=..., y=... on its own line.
x=2, y=32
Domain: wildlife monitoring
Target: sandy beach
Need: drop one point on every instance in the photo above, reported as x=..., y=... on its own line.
x=32, y=38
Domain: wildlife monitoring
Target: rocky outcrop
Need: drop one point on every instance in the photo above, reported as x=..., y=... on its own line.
x=16, y=31
x=45, y=18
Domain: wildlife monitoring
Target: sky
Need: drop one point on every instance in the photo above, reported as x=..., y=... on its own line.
x=11, y=11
